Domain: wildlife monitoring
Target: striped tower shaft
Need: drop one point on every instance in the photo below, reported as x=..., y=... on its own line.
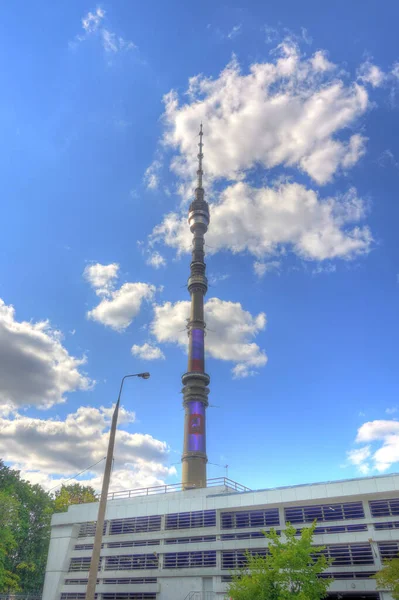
x=195, y=381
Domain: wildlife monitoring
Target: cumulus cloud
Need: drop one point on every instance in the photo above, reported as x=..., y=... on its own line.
x=230, y=332
x=370, y=73
x=93, y=25
x=121, y=306
x=46, y=449
x=377, y=430
x=147, y=352
x=321, y=63
x=294, y=112
x=382, y=449
x=35, y=368
x=118, y=307
x=274, y=218
x=156, y=260
x=101, y=277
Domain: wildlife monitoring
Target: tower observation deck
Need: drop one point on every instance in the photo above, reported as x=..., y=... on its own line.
x=195, y=381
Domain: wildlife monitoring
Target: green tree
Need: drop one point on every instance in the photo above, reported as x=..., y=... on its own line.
x=30, y=529
x=8, y=523
x=73, y=494
x=25, y=518
x=388, y=577
x=289, y=570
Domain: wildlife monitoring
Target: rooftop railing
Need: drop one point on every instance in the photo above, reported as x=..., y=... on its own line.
x=229, y=484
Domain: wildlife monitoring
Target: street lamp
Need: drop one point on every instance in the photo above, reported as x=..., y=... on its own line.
x=95, y=557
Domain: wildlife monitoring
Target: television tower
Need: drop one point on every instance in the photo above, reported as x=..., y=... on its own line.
x=195, y=381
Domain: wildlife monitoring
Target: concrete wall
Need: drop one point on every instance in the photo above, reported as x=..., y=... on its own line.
x=63, y=539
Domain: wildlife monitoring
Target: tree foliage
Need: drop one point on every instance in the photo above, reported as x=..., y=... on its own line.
x=8, y=521
x=25, y=517
x=73, y=494
x=289, y=570
x=31, y=528
x=388, y=577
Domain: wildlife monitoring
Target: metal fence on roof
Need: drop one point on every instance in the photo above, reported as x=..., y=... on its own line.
x=229, y=484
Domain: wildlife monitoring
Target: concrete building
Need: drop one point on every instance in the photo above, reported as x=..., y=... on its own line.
x=174, y=545
x=182, y=542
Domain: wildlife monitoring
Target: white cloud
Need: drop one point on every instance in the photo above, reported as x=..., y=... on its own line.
x=151, y=176
x=92, y=21
x=271, y=34
x=307, y=38
x=147, y=352
x=387, y=158
x=324, y=269
x=230, y=331
x=215, y=278
x=46, y=448
x=358, y=456
x=370, y=73
x=293, y=111
x=395, y=70
x=377, y=430
x=288, y=215
x=110, y=42
x=156, y=260
x=382, y=450
x=236, y=30
x=121, y=306
x=364, y=468
x=321, y=63
x=242, y=370
x=35, y=368
x=261, y=268
x=391, y=411
x=102, y=277
x=322, y=163
x=92, y=25
x=118, y=307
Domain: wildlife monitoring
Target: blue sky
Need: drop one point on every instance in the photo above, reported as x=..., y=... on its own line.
x=100, y=109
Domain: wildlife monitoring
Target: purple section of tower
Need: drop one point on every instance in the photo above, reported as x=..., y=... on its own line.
x=197, y=351
x=196, y=426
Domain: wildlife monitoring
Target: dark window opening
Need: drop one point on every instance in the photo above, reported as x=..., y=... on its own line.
x=324, y=512
x=191, y=520
x=187, y=560
x=253, y=518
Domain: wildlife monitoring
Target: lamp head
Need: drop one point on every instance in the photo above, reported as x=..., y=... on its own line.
x=144, y=375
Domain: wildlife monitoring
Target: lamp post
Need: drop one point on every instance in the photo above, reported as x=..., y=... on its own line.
x=95, y=557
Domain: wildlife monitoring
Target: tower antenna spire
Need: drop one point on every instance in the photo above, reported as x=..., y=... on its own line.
x=200, y=157
x=196, y=380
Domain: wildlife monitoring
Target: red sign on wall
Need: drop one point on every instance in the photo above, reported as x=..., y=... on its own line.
x=196, y=423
